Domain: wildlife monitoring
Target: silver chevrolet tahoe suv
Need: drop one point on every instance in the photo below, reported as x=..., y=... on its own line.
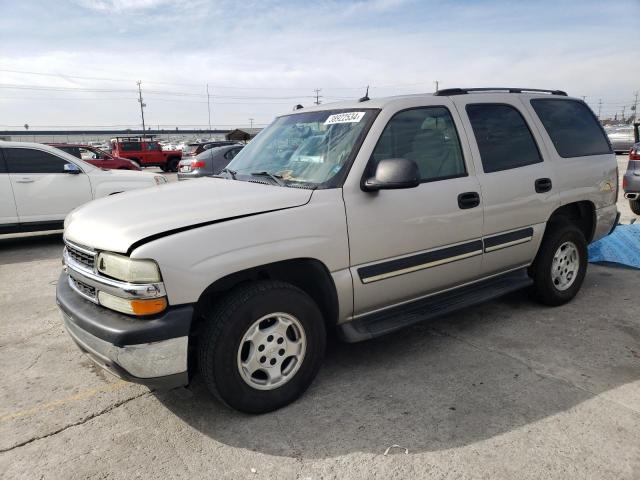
x=362, y=217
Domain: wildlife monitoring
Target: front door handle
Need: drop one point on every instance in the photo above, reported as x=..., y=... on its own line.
x=468, y=200
x=543, y=185
x=25, y=180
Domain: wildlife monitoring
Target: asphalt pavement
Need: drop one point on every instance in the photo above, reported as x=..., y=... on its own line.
x=509, y=389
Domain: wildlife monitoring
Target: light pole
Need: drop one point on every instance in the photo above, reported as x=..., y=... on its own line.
x=209, y=108
x=251, y=122
x=142, y=105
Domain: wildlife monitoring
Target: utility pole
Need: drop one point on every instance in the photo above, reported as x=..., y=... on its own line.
x=599, y=108
x=635, y=107
x=251, y=120
x=437, y=84
x=317, y=90
x=623, y=110
x=142, y=105
x=209, y=107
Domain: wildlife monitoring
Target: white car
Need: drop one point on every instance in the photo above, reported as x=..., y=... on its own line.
x=40, y=185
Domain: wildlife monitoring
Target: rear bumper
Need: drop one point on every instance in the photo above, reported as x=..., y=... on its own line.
x=189, y=175
x=152, y=352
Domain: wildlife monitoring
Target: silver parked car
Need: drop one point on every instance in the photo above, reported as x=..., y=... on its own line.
x=362, y=217
x=210, y=162
x=621, y=138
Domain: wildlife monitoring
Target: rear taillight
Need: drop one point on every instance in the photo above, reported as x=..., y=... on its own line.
x=197, y=164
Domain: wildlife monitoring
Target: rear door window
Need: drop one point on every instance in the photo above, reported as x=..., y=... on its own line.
x=504, y=138
x=26, y=160
x=572, y=127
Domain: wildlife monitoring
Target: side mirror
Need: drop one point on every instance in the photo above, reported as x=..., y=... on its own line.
x=71, y=168
x=393, y=173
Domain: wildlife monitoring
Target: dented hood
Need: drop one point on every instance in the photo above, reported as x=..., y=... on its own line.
x=115, y=223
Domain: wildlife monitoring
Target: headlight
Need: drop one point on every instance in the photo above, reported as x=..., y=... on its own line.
x=127, y=269
x=160, y=179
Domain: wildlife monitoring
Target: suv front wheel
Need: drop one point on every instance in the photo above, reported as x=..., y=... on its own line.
x=560, y=266
x=262, y=346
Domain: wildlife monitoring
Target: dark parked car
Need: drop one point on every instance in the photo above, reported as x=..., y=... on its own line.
x=631, y=179
x=194, y=149
x=209, y=162
x=97, y=157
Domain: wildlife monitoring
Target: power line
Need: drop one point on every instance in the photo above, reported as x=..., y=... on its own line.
x=189, y=84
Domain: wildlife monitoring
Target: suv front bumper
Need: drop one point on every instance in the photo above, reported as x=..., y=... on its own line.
x=152, y=352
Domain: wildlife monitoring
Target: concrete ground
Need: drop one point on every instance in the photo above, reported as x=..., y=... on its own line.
x=505, y=390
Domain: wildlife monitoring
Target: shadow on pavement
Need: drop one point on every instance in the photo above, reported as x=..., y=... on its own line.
x=30, y=247
x=477, y=374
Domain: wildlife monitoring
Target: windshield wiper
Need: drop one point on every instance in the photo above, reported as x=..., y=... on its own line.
x=230, y=172
x=276, y=178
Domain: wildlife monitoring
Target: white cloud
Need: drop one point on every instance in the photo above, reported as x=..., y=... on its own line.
x=126, y=5
x=273, y=49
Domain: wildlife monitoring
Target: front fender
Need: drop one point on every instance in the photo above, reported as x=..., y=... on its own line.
x=192, y=260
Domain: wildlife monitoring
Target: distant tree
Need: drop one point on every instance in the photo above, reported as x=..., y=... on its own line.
x=26, y=126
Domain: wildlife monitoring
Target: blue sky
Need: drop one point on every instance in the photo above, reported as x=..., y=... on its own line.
x=262, y=57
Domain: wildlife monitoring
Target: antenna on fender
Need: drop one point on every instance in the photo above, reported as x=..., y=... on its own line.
x=366, y=96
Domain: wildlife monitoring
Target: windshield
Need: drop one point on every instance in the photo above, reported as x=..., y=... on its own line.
x=309, y=147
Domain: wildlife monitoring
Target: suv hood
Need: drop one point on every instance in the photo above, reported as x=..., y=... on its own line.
x=115, y=223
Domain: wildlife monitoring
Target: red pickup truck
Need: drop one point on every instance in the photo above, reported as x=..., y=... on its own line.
x=146, y=152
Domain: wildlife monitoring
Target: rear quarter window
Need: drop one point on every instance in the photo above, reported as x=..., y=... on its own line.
x=130, y=146
x=572, y=127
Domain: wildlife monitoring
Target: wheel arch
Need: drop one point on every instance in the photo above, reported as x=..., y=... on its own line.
x=309, y=274
x=582, y=214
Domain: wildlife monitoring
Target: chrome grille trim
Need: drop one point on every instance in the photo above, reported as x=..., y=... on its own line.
x=82, y=256
x=84, y=290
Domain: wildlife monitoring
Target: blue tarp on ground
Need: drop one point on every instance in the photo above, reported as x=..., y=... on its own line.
x=622, y=246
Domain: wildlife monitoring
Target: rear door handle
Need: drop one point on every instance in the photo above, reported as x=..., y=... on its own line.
x=543, y=185
x=468, y=200
x=24, y=180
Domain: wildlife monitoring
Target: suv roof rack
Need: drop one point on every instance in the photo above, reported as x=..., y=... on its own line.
x=135, y=138
x=462, y=91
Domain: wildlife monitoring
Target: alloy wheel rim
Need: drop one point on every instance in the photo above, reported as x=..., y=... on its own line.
x=565, y=266
x=271, y=351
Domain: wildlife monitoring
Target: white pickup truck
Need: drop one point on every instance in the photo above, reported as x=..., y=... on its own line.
x=40, y=185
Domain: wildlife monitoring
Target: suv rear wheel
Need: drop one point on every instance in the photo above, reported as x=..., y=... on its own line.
x=635, y=206
x=560, y=266
x=262, y=346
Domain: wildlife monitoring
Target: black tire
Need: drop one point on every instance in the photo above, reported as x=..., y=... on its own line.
x=544, y=290
x=226, y=324
x=172, y=165
x=635, y=206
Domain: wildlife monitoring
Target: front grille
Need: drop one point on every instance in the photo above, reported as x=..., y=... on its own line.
x=86, y=259
x=83, y=288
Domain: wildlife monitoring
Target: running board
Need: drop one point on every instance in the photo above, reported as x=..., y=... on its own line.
x=380, y=323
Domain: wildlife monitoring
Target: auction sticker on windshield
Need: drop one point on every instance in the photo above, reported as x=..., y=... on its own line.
x=347, y=117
